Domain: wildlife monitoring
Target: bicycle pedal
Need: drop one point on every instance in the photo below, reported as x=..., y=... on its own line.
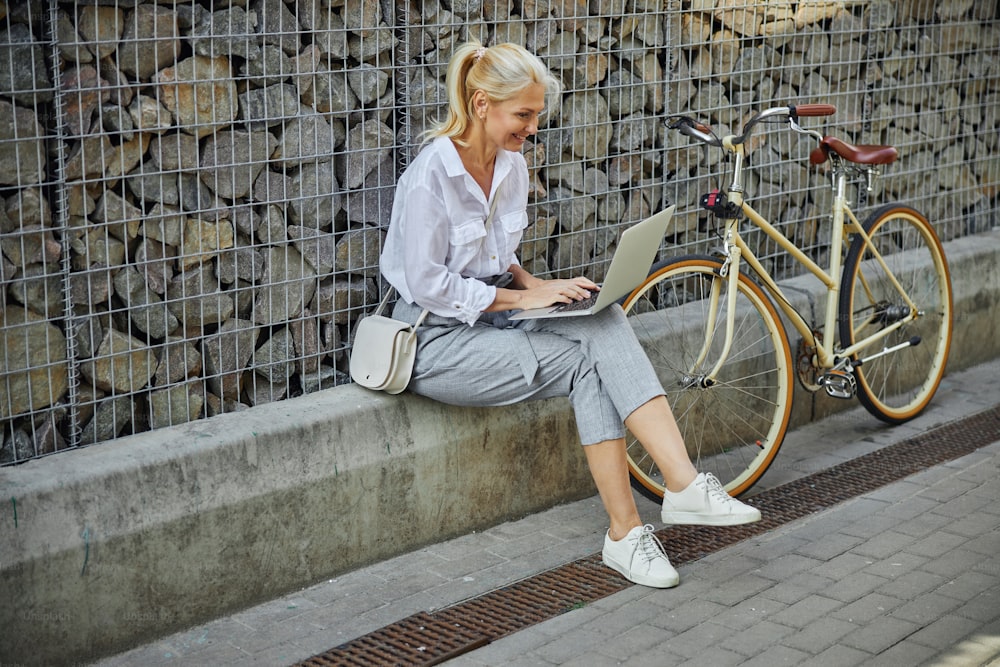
x=838, y=384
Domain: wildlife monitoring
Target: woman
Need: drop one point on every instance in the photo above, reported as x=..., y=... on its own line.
x=457, y=219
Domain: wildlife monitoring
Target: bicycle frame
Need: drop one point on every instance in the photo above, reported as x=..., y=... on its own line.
x=828, y=354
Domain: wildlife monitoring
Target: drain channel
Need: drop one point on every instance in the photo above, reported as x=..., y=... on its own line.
x=433, y=638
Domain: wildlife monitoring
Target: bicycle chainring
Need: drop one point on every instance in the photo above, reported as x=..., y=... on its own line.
x=805, y=367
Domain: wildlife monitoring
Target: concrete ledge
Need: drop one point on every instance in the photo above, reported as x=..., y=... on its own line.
x=109, y=546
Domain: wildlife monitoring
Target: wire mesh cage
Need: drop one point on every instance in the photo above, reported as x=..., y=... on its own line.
x=195, y=193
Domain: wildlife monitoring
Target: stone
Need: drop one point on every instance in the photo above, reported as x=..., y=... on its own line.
x=341, y=295
x=154, y=260
x=267, y=65
x=23, y=67
x=195, y=298
x=175, y=405
x=31, y=244
x=70, y=42
x=122, y=364
x=119, y=216
x=318, y=248
x=307, y=137
x=200, y=93
x=368, y=82
x=269, y=106
x=176, y=151
x=232, y=160
x=84, y=92
x=286, y=286
x=111, y=416
x=22, y=146
x=29, y=207
x=277, y=25
x=314, y=196
x=358, y=251
x=226, y=354
x=164, y=224
x=96, y=247
x=145, y=307
x=150, y=41
x=101, y=28
x=202, y=240
x=179, y=360
x=372, y=202
x=367, y=145
x=587, y=113
x=274, y=360
x=226, y=32
x=39, y=289
x=148, y=115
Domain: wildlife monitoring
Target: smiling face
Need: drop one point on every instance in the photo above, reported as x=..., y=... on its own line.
x=509, y=123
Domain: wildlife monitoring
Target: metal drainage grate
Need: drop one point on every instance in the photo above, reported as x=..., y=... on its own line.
x=433, y=638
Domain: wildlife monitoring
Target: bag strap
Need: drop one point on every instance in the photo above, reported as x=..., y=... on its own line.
x=392, y=290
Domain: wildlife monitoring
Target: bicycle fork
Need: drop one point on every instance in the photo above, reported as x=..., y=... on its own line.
x=731, y=279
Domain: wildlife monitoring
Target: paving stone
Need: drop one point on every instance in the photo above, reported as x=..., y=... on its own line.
x=879, y=634
x=968, y=584
x=738, y=589
x=907, y=652
x=926, y=608
x=840, y=656
x=757, y=638
x=945, y=631
x=911, y=584
x=801, y=614
x=855, y=587
x=884, y=545
x=868, y=608
x=820, y=634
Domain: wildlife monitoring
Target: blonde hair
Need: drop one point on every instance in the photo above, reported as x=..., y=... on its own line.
x=501, y=71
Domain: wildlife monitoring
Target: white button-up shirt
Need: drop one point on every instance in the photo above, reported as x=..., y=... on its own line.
x=438, y=244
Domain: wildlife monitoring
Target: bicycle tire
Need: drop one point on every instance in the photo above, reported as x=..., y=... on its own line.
x=735, y=427
x=896, y=392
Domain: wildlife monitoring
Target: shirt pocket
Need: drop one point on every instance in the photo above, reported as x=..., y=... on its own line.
x=466, y=239
x=513, y=225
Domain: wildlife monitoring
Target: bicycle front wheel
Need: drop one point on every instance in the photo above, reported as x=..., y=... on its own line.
x=732, y=426
x=897, y=386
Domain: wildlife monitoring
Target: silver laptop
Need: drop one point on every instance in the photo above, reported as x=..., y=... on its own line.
x=629, y=267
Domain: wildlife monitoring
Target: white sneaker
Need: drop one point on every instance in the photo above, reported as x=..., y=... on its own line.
x=640, y=558
x=705, y=502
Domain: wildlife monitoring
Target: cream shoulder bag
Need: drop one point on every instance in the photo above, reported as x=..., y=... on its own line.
x=384, y=349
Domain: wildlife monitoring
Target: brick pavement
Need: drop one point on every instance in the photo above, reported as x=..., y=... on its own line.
x=908, y=574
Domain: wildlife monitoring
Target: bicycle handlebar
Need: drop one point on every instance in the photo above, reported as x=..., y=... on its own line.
x=703, y=133
x=812, y=110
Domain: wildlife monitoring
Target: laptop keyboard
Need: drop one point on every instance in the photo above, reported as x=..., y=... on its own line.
x=582, y=304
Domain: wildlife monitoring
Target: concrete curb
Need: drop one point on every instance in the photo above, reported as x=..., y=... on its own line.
x=109, y=546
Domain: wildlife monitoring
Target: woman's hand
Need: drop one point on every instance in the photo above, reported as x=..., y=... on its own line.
x=538, y=293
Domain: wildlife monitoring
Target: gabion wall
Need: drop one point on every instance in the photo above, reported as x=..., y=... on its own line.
x=193, y=194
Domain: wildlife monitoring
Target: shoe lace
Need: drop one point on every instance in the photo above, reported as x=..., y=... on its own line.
x=649, y=546
x=715, y=489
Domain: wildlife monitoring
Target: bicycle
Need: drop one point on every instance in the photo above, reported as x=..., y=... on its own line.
x=714, y=334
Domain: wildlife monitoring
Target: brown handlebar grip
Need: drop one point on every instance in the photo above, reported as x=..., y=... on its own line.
x=814, y=109
x=702, y=128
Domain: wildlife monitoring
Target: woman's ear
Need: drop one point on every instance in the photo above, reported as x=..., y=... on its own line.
x=480, y=104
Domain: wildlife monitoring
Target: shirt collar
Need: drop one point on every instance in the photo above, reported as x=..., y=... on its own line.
x=453, y=162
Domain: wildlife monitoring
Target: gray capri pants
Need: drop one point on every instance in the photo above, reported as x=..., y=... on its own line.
x=595, y=360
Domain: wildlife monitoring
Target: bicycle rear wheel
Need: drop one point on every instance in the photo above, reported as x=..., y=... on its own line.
x=897, y=386
x=734, y=427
